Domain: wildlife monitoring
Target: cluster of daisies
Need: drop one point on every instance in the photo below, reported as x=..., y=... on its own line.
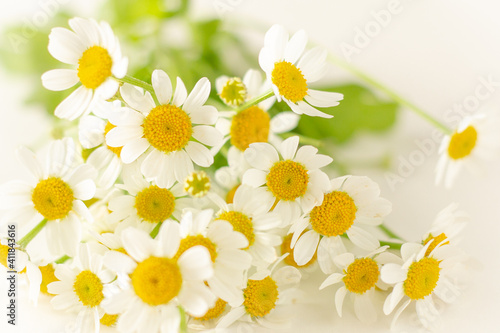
x=128, y=223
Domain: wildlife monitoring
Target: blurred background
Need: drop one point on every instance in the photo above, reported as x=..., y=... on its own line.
x=442, y=56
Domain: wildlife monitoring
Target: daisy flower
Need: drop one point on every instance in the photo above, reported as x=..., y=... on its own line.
x=225, y=247
x=92, y=47
x=82, y=288
x=54, y=195
x=352, y=204
x=475, y=141
x=446, y=228
x=360, y=277
x=250, y=215
x=253, y=124
x=147, y=203
x=290, y=72
x=294, y=182
x=265, y=293
x=157, y=283
x=105, y=159
x=172, y=135
x=420, y=279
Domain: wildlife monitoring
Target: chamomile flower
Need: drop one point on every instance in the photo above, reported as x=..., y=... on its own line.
x=53, y=194
x=446, y=228
x=253, y=124
x=265, y=293
x=291, y=72
x=360, y=277
x=250, y=215
x=352, y=203
x=171, y=135
x=105, y=159
x=92, y=47
x=82, y=288
x=420, y=279
x=157, y=283
x=475, y=141
x=147, y=204
x=294, y=182
x=226, y=251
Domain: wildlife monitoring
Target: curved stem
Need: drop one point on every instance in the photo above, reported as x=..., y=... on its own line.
x=63, y=259
x=392, y=245
x=305, y=140
x=32, y=234
x=389, y=232
x=445, y=129
x=155, y=231
x=183, y=324
x=255, y=101
x=141, y=84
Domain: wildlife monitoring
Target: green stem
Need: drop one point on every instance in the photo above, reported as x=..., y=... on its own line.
x=445, y=129
x=63, y=259
x=141, y=84
x=183, y=325
x=304, y=139
x=155, y=231
x=389, y=232
x=393, y=245
x=255, y=101
x=32, y=234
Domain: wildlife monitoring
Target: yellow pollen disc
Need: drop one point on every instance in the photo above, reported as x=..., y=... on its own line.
x=109, y=320
x=435, y=241
x=53, y=198
x=48, y=276
x=287, y=180
x=461, y=144
x=94, y=67
x=214, y=312
x=422, y=278
x=190, y=241
x=240, y=223
x=290, y=81
x=249, y=126
x=168, y=128
x=289, y=260
x=154, y=204
x=335, y=215
x=4, y=257
x=231, y=193
x=260, y=296
x=116, y=150
x=197, y=184
x=234, y=92
x=88, y=287
x=157, y=280
x=361, y=275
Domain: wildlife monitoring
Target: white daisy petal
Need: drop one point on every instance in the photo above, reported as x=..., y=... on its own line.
x=362, y=238
x=133, y=149
x=394, y=298
x=198, y=95
x=392, y=273
x=204, y=114
x=162, y=86
x=75, y=104
x=138, y=244
x=339, y=299
x=323, y=99
x=195, y=264
x=30, y=161
x=310, y=64
x=254, y=178
x=364, y=309
x=196, y=298
x=199, y=154
x=284, y=122
x=332, y=279
x=231, y=317
x=261, y=155
x=59, y=79
x=289, y=147
x=295, y=46
x=137, y=99
x=65, y=46
x=119, y=262
x=169, y=237
x=180, y=94
x=121, y=135
x=207, y=135
x=305, y=247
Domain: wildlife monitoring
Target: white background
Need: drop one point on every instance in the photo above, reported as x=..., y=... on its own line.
x=431, y=52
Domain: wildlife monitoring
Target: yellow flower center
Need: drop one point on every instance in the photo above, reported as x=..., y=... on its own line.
x=335, y=215
x=53, y=198
x=240, y=223
x=116, y=150
x=94, y=67
x=168, y=128
x=422, y=278
x=190, y=241
x=234, y=92
x=290, y=81
x=197, y=184
x=461, y=144
x=154, y=204
x=287, y=180
x=4, y=258
x=249, y=126
x=48, y=276
x=435, y=241
x=260, y=296
x=231, y=193
x=289, y=260
x=215, y=311
x=109, y=320
x=157, y=280
x=88, y=287
x=361, y=275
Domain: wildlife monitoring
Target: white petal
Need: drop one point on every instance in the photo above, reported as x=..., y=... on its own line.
x=410, y=249
x=30, y=161
x=136, y=99
x=120, y=136
x=364, y=309
x=323, y=99
x=362, y=238
x=261, y=155
x=196, y=298
x=162, y=86
x=199, y=154
x=207, y=135
x=303, y=108
x=87, y=30
x=75, y=104
x=59, y=79
x=119, y=262
x=289, y=147
x=195, y=264
x=206, y=114
x=311, y=64
x=138, y=244
x=198, y=95
x=339, y=299
x=392, y=273
x=295, y=46
x=332, y=279
x=284, y=122
x=254, y=177
x=169, y=238
x=180, y=93
x=276, y=40
x=65, y=45
x=305, y=247
x=133, y=149
x=107, y=89
x=344, y=260
x=231, y=317
x=394, y=298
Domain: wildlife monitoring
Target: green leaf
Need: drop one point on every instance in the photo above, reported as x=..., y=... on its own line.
x=360, y=110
